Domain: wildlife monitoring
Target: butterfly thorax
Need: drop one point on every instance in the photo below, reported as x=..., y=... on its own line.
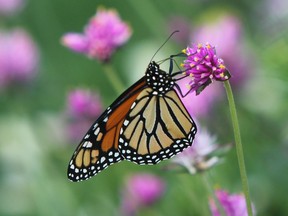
x=157, y=79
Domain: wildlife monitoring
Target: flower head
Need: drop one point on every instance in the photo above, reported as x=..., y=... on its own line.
x=83, y=108
x=141, y=190
x=226, y=32
x=104, y=33
x=18, y=58
x=83, y=103
x=203, y=66
x=201, y=155
x=232, y=204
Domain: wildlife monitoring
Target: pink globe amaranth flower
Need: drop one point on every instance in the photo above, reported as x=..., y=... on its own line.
x=82, y=102
x=9, y=7
x=19, y=58
x=232, y=204
x=226, y=33
x=83, y=108
x=142, y=190
x=203, y=66
x=104, y=33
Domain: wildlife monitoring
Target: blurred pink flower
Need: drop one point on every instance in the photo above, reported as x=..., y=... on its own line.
x=19, y=58
x=9, y=7
x=201, y=155
x=232, y=204
x=203, y=66
x=226, y=34
x=83, y=103
x=83, y=108
x=142, y=190
x=104, y=33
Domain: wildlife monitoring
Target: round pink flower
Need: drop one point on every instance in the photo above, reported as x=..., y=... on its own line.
x=203, y=66
x=141, y=190
x=232, y=204
x=84, y=103
x=18, y=57
x=104, y=33
x=83, y=108
x=226, y=33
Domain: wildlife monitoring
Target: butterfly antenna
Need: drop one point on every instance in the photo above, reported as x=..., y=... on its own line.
x=164, y=43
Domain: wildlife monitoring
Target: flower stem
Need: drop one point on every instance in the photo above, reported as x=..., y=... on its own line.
x=113, y=78
x=239, y=148
x=212, y=192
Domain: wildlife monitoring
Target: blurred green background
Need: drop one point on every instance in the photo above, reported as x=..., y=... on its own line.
x=34, y=153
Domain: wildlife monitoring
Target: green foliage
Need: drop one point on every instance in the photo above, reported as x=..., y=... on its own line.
x=34, y=152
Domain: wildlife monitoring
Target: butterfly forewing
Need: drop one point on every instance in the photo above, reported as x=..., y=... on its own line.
x=99, y=147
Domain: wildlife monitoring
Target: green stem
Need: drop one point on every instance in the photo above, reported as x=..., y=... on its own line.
x=239, y=148
x=212, y=192
x=113, y=78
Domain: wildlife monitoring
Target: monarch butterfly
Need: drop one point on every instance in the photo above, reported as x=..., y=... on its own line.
x=146, y=124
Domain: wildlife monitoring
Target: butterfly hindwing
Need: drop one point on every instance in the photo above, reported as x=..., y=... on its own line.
x=99, y=147
x=95, y=152
x=156, y=128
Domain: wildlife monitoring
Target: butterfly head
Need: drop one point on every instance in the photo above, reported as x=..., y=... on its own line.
x=157, y=79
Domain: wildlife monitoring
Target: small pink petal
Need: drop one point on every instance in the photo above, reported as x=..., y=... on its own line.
x=76, y=42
